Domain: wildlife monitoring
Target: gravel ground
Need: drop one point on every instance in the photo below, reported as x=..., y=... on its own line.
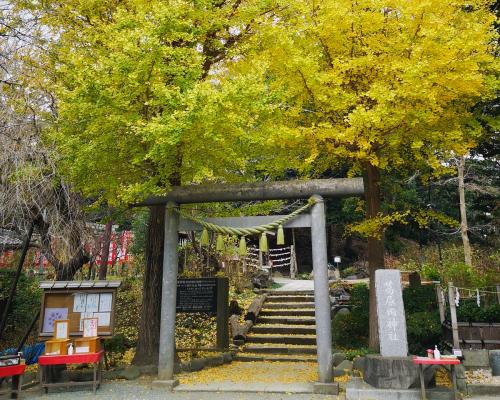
x=482, y=376
x=142, y=390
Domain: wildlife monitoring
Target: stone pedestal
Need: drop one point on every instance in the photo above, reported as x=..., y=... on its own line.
x=476, y=359
x=326, y=388
x=395, y=372
x=168, y=384
x=358, y=390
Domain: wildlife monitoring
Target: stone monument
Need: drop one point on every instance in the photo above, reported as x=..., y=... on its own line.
x=392, y=369
x=391, y=313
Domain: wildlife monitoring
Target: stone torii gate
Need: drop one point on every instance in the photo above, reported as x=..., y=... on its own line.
x=295, y=189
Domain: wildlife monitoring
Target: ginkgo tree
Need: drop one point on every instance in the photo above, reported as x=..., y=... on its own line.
x=153, y=93
x=378, y=84
x=135, y=110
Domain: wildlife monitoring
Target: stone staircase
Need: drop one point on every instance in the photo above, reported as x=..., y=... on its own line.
x=285, y=329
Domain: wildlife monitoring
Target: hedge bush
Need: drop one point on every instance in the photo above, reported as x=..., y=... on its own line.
x=351, y=330
x=423, y=330
x=468, y=311
x=419, y=298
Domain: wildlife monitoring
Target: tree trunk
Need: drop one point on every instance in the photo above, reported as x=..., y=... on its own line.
x=106, y=241
x=64, y=271
x=375, y=247
x=463, y=213
x=149, y=331
x=67, y=271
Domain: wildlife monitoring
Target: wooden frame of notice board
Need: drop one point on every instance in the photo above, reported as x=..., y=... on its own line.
x=76, y=301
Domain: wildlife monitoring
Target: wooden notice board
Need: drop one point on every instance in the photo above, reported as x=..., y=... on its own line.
x=75, y=301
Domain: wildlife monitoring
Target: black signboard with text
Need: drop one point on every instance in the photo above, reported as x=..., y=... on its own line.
x=197, y=295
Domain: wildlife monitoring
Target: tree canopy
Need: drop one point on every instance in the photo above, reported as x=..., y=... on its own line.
x=136, y=105
x=391, y=84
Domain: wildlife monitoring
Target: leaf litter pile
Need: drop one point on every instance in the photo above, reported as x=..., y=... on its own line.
x=255, y=372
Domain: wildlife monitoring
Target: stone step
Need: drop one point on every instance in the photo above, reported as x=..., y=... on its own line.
x=285, y=299
x=248, y=357
x=295, y=339
x=284, y=329
x=280, y=349
x=268, y=306
x=274, y=293
x=287, y=312
x=264, y=320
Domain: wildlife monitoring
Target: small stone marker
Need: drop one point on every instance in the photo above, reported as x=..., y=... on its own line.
x=391, y=313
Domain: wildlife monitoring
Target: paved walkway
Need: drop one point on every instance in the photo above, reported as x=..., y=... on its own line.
x=288, y=284
x=142, y=389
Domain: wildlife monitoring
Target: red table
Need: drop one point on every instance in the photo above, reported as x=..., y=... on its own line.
x=421, y=361
x=16, y=371
x=88, y=358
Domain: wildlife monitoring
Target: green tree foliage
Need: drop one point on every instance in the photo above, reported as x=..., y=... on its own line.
x=136, y=105
x=372, y=83
x=24, y=307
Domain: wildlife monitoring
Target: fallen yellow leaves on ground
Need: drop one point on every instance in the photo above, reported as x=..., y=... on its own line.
x=256, y=372
x=443, y=378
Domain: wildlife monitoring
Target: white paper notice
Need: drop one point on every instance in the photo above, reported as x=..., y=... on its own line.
x=90, y=327
x=82, y=349
x=104, y=318
x=79, y=301
x=62, y=330
x=105, y=302
x=83, y=316
x=92, y=302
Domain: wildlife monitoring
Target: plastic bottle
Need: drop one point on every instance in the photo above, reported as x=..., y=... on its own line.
x=437, y=353
x=70, y=349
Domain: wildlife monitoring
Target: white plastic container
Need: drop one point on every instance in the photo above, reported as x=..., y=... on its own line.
x=437, y=353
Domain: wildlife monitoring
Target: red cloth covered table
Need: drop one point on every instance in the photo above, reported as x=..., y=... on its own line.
x=88, y=358
x=16, y=371
x=421, y=361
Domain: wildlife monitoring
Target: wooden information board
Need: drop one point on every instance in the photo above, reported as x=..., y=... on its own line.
x=76, y=301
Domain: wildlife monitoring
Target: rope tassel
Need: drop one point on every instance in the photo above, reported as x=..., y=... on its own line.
x=280, y=237
x=219, y=246
x=263, y=243
x=205, y=240
x=242, y=251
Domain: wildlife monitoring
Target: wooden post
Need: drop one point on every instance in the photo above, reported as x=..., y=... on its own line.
x=453, y=313
x=222, y=313
x=439, y=295
x=498, y=293
x=293, y=262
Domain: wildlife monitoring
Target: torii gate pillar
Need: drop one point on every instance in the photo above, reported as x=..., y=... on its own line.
x=321, y=291
x=166, y=357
